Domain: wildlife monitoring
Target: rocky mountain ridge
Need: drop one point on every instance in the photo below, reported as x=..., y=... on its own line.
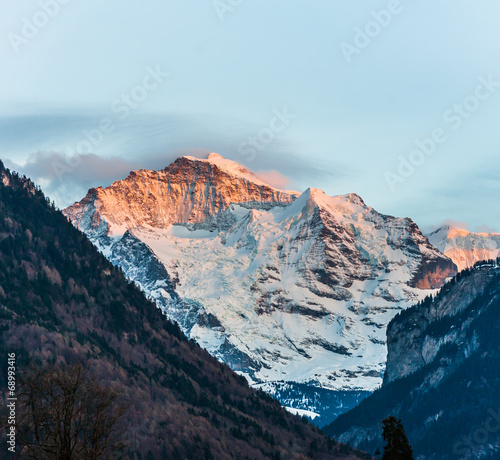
x=287, y=289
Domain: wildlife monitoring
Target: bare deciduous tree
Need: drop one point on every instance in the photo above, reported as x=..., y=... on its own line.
x=65, y=414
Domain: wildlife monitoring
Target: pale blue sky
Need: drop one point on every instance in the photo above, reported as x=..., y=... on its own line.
x=352, y=121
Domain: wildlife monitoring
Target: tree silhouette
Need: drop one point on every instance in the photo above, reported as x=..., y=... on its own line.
x=66, y=414
x=397, y=446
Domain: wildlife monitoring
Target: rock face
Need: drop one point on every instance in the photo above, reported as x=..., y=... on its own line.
x=465, y=248
x=442, y=377
x=410, y=345
x=286, y=289
x=189, y=191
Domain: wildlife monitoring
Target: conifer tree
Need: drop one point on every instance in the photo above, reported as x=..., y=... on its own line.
x=397, y=446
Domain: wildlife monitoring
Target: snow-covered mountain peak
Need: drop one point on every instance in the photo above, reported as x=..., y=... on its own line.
x=449, y=231
x=355, y=199
x=215, y=157
x=316, y=196
x=464, y=247
x=344, y=208
x=234, y=169
x=304, y=205
x=282, y=288
x=348, y=203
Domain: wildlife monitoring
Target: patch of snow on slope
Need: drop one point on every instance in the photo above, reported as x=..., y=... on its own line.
x=302, y=412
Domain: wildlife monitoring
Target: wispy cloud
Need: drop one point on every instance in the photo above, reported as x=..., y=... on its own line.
x=43, y=148
x=274, y=178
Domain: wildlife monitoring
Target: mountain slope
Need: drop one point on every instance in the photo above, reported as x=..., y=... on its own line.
x=465, y=248
x=442, y=374
x=288, y=290
x=63, y=302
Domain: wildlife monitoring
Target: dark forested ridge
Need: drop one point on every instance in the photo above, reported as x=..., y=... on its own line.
x=61, y=302
x=443, y=374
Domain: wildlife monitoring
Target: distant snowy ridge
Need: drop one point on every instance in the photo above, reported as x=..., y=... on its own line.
x=465, y=248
